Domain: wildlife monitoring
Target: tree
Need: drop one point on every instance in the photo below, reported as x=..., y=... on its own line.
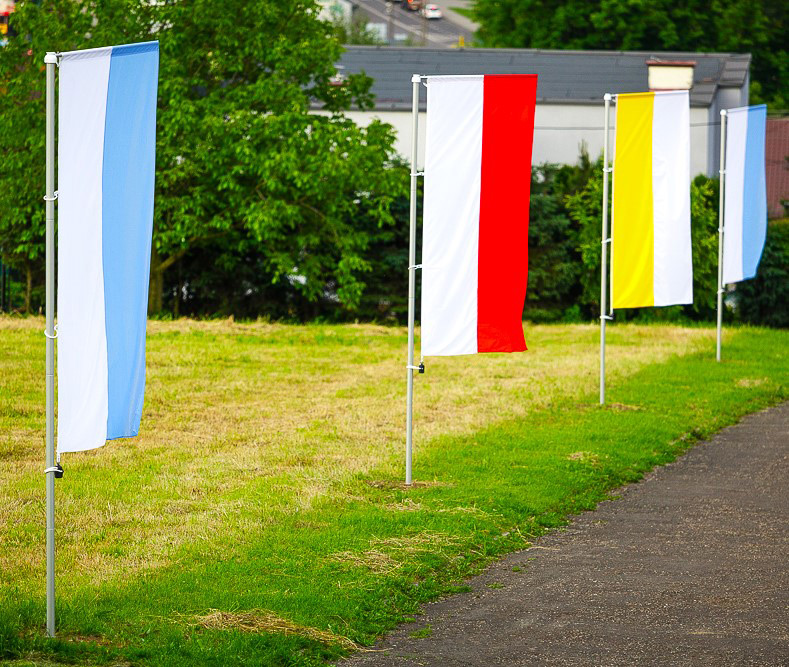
x=755, y=26
x=240, y=148
x=50, y=26
x=227, y=276
x=239, y=154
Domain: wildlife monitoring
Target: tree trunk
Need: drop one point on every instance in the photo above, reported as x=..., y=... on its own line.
x=156, y=286
x=177, y=300
x=28, y=286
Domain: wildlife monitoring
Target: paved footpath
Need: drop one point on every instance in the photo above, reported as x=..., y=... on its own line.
x=688, y=567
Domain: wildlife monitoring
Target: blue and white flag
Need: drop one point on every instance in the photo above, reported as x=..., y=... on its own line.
x=745, y=193
x=106, y=161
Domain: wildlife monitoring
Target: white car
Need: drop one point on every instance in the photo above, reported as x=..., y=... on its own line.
x=432, y=12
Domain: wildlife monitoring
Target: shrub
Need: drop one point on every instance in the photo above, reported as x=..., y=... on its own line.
x=764, y=300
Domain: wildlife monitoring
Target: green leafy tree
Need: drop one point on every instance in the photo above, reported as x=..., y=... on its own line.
x=49, y=26
x=385, y=298
x=239, y=153
x=239, y=147
x=227, y=275
x=755, y=26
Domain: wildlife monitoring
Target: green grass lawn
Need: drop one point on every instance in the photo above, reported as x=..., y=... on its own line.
x=260, y=518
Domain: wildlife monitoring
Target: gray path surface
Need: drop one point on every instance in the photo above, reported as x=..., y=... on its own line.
x=441, y=33
x=688, y=567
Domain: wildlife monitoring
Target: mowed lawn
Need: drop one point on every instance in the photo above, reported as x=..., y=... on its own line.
x=260, y=516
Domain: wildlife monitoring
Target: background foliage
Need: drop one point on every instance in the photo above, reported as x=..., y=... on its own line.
x=266, y=209
x=741, y=26
x=246, y=175
x=765, y=299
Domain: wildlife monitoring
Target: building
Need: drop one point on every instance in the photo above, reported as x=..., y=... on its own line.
x=570, y=90
x=777, y=159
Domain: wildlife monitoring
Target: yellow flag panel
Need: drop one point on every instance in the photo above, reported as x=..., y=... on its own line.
x=633, y=224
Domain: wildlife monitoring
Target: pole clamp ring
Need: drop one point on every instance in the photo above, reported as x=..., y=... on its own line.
x=608, y=240
x=53, y=198
x=414, y=267
x=52, y=337
x=420, y=368
x=608, y=170
x=417, y=173
x=57, y=469
x=606, y=317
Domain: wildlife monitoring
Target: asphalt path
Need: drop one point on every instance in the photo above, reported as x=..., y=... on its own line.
x=442, y=33
x=688, y=567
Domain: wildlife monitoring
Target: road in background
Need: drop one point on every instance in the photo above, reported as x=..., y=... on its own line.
x=445, y=32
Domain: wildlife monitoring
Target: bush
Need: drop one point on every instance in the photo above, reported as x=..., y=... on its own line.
x=227, y=276
x=586, y=208
x=554, y=262
x=764, y=300
x=704, y=235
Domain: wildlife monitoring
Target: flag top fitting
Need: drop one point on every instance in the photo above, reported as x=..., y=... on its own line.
x=119, y=50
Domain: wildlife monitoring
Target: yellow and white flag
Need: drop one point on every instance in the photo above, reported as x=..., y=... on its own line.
x=651, y=253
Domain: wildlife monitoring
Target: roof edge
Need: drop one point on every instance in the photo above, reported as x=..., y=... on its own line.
x=429, y=49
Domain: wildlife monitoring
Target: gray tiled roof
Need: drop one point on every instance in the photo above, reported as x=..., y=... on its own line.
x=564, y=76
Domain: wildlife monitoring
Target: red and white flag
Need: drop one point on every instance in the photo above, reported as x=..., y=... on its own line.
x=476, y=212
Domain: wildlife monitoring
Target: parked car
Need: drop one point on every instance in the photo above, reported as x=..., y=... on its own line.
x=432, y=12
x=413, y=5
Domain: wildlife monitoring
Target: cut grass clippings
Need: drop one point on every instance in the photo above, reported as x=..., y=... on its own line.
x=267, y=478
x=261, y=622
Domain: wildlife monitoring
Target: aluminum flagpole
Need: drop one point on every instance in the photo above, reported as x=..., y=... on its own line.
x=722, y=174
x=51, y=470
x=604, y=255
x=416, y=80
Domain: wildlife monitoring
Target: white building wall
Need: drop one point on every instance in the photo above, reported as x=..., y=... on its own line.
x=559, y=132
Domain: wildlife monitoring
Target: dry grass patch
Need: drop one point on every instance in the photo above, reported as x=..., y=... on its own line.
x=420, y=542
x=394, y=484
x=584, y=457
x=407, y=505
x=747, y=383
x=386, y=555
x=372, y=559
x=262, y=621
x=465, y=510
x=245, y=423
x=621, y=407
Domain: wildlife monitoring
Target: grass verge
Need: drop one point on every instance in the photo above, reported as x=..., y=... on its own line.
x=260, y=518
